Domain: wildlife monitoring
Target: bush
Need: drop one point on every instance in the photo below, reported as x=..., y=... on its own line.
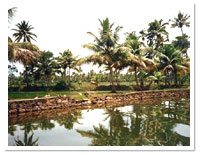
x=61, y=85
x=109, y=87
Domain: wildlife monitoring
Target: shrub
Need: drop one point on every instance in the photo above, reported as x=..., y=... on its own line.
x=61, y=85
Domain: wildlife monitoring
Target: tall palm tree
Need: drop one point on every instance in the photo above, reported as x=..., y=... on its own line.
x=67, y=60
x=180, y=21
x=104, y=46
x=156, y=34
x=23, y=32
x=136, y=58
x=24, y=53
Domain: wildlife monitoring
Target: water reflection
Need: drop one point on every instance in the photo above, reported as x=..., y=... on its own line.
x=42, y=121
x=148, y=126
x=27, y=141
x=161, y=123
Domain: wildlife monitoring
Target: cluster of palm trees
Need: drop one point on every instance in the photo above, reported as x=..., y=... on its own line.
x=149, y=55
x=154, y=61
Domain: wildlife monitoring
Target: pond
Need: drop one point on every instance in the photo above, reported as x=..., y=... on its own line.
x=159, y=123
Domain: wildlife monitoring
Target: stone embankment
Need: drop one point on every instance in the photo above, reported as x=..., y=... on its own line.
x=61, y=102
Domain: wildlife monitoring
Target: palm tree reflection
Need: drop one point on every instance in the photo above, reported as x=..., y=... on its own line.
x=28, y=126
x=68, y=120
x=27, y=141
x=148, y=125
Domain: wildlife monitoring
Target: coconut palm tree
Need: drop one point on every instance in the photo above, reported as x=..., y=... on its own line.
x=45, y=66
x=171, y=61
x=180, y=21
x=104, y=46
x=24, y=53
x=67, y=60
x=136, y=58
x=23, y=32
x=182, y=43
x=157, y=77
x=11, y=13
x=156, y=34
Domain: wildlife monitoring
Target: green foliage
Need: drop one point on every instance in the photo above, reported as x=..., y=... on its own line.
x=25, y=53
x=23, y=32
x=105, y=48
x=61, y=85
x=44, y=68
x=181, y=20
x=156, y=34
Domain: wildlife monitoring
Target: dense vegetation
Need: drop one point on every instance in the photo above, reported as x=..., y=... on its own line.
x=152, y=61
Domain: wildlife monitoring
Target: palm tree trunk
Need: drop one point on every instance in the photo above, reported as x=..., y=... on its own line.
x=112, y=81
x=26, y=77
x=136, y=79
x=64, y=73
x=165, y=79
x=69, y=77
x=158, y=83
x=183, y=41
x=142, y=84
x=182, y=31
x=175, y=76
x=117, y=79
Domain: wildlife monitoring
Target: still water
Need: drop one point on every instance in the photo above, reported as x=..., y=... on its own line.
x=159, y=123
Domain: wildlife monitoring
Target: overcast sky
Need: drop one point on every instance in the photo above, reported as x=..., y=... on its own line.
x=63, y=24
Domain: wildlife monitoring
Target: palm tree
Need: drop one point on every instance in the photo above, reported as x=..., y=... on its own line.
x=11, y=13
x=157, y=77
x=104, y=47
x=171, y=61
x=156, y=34
x=182, y=43
x=136, y=58
x=67, y=60
x=45, y=66
x=23, y=32
x=180, y=21
x=24, y=53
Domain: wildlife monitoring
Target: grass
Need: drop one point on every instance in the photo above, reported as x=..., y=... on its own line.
x=103, y=89
x=78, y=95
x=27, y=95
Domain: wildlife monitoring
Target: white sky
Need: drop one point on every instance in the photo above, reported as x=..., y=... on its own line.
x=63, y=24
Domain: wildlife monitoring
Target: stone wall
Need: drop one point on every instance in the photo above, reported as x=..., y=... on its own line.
x=61, y=102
